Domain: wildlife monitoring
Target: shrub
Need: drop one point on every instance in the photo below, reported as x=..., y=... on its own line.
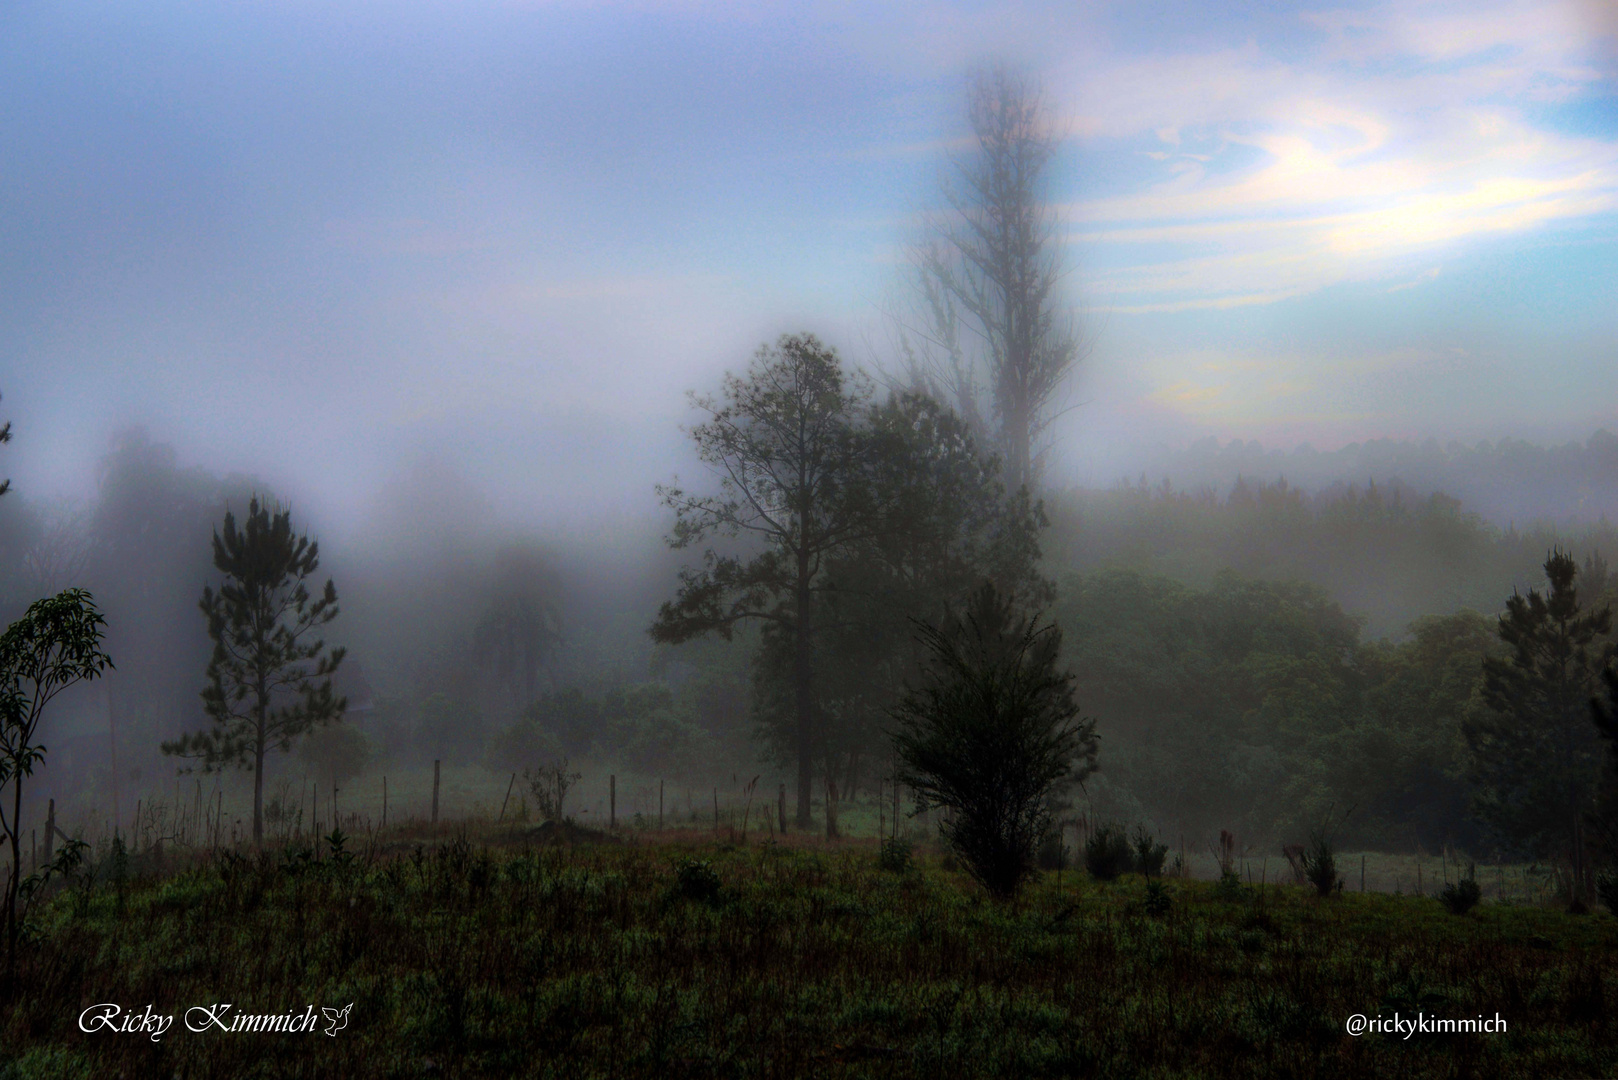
x=1461, y=897
x=990, y=732
x=697, y=880
x=549, y=785
x=1158, y=901
x=1107, y=853
x=1149, y=854
x=1320, y=864
x=895, y=856
x=1607, y=890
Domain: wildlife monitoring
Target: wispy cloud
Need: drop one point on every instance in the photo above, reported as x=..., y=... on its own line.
x=1400, y=132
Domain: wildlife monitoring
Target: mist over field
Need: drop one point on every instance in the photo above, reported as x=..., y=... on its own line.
x=1325, y=320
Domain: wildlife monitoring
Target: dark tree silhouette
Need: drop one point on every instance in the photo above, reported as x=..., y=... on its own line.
x=990, y=733
x=1534, y=751
x=785, y=446
x=268, y=680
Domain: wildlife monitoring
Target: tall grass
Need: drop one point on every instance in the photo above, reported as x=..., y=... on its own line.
x=488, y=956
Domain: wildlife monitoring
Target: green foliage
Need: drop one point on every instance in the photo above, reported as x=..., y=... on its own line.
x=269, y=680
x=1107, y=853
x=697, y=880
x=990, y=732
x=1256, y=704
x=895, y=855
x=586, y=961
x=1159, y=901
x=1320, y=864
x=785, y=444
x=1149, y=854
x=56, y=644
x=1535, y=756
x=1461, y=896
x=549, y=784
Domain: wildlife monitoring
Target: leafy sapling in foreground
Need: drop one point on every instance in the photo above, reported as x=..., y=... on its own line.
x=55, y=644
x=988, y=734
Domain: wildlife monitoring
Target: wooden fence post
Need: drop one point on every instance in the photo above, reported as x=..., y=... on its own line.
x=660, y=806
x=509, y=786
x=436, y=764
x=781, y=807
x=612, y=801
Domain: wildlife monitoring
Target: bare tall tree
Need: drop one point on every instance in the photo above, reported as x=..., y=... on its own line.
x=986, y=332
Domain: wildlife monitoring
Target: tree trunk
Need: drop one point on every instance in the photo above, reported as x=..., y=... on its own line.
x=803, y=689
x=258, y=767
x=13, y=882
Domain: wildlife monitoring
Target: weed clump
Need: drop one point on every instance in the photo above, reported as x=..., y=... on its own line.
x=697, y=880
x=1320, y=865
x=1158, y=901
x=895, y=855
x=1107, y=853
x=1461, y=897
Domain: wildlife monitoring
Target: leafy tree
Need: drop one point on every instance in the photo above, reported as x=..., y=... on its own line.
x=1534, y=751
x=269, y=680
x=785, y=446
x=989, y=734
x=1604, y=712
x=55, y=644
x=521, y=625
x=942, y=522
x=988, y=336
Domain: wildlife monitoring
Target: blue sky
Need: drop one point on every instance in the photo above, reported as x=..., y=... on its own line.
x=306, y=240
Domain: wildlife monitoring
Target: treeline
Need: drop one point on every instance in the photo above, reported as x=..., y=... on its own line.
x=1507, y=481
x=1383, y=552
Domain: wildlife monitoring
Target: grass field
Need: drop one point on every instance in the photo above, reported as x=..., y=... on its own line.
x=500, y=952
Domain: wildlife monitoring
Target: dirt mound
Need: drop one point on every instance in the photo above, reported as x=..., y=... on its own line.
x=568, y=832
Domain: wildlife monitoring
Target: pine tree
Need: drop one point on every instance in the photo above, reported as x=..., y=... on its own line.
x=269, y=680
x=990, y=733
x=1534, y=751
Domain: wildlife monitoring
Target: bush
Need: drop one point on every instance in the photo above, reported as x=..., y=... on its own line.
x=990, y=732
x=550, y=784
x=1158, y=900
x=1149, y=854
x=1607, y=890
x=1107, y=853
x=1320, y=864
x=895, y=856
x=697, y=880
x=1461, y=897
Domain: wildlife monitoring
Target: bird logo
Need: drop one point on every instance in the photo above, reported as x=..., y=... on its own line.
x=338, y=1018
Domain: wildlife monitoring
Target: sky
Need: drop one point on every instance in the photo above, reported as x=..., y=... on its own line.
x=311, y=241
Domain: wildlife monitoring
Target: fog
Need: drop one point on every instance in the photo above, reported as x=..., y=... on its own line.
x=439, y=279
